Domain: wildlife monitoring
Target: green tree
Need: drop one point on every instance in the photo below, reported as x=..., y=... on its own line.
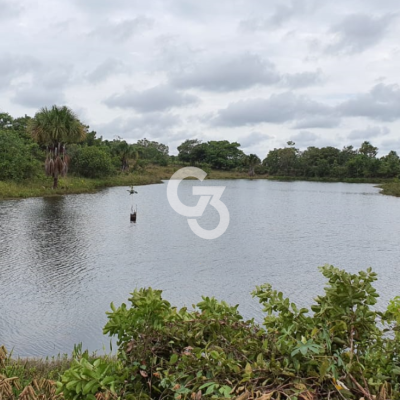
x=6, y=121
x=390, y=165
x=53, y=129
x=17, y=160
x=222, y=154
x=252, y=161
x=152, y=151
x=92, y=162
x=125, y=152
x=283, y=161
x=368, y=150
x=187, y=151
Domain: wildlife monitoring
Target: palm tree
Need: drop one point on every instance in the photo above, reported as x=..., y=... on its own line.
x=252, y=161
x=55, y=128
x=124, y=152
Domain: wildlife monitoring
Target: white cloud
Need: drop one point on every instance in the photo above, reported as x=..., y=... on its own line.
x=278, y=108
x=157, y=98
x=369, y=132
x=228, y=73
x=165, y=67
x=120, y=31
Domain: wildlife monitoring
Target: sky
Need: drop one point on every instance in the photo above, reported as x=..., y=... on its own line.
x=253, y=71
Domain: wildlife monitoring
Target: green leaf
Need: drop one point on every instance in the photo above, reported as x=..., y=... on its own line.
x=89, y=386
x=173, y=359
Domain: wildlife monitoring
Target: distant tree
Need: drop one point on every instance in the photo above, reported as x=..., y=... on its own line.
x=283, y=161
x=252, y=161
x=17, y=158
x=152, y=151
x=346, y=154
x=91, y=139
x=222, y=154
x=92, y=162
x=6, y=121
x=53, y=129
x=187, y=151
x=390, y=165
x=368, y=150
x=125, y=153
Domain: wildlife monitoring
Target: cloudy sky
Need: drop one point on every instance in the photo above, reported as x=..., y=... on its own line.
x=253, y=71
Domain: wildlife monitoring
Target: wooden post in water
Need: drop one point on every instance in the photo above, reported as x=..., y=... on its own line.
x=133, y=213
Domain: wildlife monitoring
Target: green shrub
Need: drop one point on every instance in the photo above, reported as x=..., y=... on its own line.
x=17, y=158
x=92, y=162
x=86, y=378
x=343, y=349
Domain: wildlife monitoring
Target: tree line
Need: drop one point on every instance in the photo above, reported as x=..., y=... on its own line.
x=56, y=139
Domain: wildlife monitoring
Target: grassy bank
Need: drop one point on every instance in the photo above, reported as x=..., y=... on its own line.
x=391, y=188
x=42, y=187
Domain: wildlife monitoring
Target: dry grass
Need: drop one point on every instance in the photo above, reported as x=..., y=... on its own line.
x=30, y=379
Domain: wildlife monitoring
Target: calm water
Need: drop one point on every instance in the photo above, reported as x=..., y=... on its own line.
x=63, y=260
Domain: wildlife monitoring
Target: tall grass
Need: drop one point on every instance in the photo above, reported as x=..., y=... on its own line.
x=40, y=187
x=391, y=188
x=30, y=379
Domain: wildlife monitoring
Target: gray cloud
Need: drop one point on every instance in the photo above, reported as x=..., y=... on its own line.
x=44, y=86
x=37, y=97
x=14, y=66
x=389, y=145
x=123, y=29
x=157, y=98
x=236, y=73
x=381, y=103
x=254, y=24
x=57, y=76
x=305, y=138
x=197, y=49
x=253, y=139
x=278, y=108
x=357, y=32
x=369, y=132
x=282, y=13
x=9, y=10
x=150, y=125
x=318, y=121
x=107, y=68
x=302, y=79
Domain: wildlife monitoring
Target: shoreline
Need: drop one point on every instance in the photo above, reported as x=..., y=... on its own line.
x=42, y=187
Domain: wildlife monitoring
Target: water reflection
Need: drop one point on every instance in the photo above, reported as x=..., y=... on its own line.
x=63, y=260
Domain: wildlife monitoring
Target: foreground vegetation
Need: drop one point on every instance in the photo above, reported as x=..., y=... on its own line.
x=342, y=349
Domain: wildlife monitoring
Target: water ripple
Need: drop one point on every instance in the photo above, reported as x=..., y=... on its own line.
x=63, y=260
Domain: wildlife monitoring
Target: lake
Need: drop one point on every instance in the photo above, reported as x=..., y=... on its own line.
x=64, y=259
